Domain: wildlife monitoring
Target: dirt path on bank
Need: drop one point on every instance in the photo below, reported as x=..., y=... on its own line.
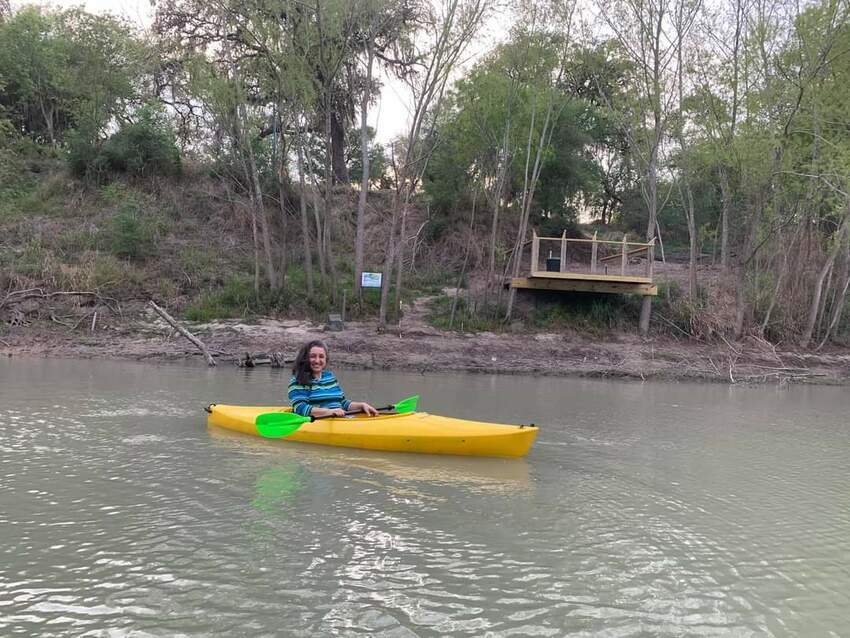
x=416, y=346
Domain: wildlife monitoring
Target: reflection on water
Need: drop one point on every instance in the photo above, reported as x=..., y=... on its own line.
x=643, y=509
x=276, y=486
x=491, y=474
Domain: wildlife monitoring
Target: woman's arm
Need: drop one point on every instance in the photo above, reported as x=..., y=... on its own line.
x=299, y=397
x=317, y=411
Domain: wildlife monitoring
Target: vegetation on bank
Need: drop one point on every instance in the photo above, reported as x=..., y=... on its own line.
x=222, y=161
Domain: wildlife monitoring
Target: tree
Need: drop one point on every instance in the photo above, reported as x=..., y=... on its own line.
x=68, y=69
x=449, y=31
x=384, y=25
x=650, y=35
x=484, y=130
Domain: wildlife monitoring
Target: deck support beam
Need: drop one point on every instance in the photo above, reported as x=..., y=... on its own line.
x=647, y=289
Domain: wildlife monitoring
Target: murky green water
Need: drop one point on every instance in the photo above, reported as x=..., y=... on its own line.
x=643, y=509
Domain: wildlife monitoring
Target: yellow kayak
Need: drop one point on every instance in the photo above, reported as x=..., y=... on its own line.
x=411, y=432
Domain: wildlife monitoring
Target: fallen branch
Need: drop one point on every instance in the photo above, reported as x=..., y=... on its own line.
x=173, y=323
x=731, y=347
x=673, y=325
x=766, y=345
x=38, y=293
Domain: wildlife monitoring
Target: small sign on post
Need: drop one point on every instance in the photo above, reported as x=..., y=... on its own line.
x=370, y=279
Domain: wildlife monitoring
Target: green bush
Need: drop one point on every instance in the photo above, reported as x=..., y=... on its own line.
x=235, y=299
x=11, y=166
x=74, y=241
x=84, y=156
x=129, y=236
x=119, y=194
x=31, y=260
x=143, y=148
x=114, y=276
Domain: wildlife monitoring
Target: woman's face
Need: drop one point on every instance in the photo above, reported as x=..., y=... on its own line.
x=318, y=360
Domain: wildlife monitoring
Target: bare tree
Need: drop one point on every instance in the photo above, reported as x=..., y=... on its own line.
x=451, y=31
x=646, y=32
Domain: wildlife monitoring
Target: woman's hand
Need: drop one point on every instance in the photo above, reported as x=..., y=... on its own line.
x=368, y=409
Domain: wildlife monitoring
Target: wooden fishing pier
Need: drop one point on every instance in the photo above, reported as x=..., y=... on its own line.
x=590, y=265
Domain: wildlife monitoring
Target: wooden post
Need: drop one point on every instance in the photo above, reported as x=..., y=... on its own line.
x=650, y=258
x=593, y=253
x=535, y=251
x=563, y=267
x=645, y=312
x=646, y=302
x=624, y=257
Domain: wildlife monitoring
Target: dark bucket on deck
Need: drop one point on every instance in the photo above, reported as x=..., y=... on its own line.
x=553, y=264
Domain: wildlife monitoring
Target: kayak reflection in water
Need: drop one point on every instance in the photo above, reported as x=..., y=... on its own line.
x=314, y=390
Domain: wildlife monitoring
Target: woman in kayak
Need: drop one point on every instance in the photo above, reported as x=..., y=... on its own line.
x=314, y=390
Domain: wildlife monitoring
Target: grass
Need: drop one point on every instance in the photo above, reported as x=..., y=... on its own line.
x=596, y=315
x=235, y=299
x=466, y=319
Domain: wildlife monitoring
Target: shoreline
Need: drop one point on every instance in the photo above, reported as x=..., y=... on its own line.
x=417, y=347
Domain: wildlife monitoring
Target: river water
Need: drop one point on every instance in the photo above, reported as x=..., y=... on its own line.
x=644, y=509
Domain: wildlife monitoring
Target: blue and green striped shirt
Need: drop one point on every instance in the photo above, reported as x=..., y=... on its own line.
x=324, y=393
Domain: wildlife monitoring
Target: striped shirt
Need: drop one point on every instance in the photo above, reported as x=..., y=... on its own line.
x=324, y=393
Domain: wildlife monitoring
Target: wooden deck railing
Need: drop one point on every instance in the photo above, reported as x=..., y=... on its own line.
x=624, y=250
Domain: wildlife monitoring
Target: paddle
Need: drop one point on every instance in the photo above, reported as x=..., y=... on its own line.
x=275, y=425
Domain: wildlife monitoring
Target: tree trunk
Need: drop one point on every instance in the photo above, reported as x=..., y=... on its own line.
x=283, y=256
x=364, y=180
x=776, y=289
x=501, y=180
x=725, y=195
x=840, y=300
x=253, y=207
x=264, y=224
x=317, y=219
x=327, y=242
x=305, y=223
x=388, y=264
x=465, y=261
x=824, y=300
x=337, y=135
x=256, y=243
x=528, y=197
x=740, y=300
x=692, y=236
x=814, y=308
x=320, y=236
x=400, y=257
x=47, y=114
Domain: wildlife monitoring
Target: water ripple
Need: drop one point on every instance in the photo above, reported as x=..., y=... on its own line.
x=120, y=514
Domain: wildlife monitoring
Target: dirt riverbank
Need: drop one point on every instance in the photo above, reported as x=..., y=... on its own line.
x=418, y=347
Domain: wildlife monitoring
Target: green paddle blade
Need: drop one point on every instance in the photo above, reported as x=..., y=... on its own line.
x=274, y=425
x=407, y=405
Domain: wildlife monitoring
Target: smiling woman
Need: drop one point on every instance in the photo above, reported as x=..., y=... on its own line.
x=314, y=390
